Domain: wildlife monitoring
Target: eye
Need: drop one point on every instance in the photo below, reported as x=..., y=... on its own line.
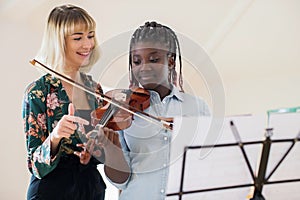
x=77, y=38
x=154, y=60
x=136, y=62
x=91, y=36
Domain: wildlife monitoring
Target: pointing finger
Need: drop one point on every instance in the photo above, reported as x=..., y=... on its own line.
x=77, y=119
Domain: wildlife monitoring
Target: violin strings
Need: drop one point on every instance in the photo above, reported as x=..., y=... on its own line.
x=107, y=115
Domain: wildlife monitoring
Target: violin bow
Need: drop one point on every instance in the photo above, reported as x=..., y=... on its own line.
x=153, y=119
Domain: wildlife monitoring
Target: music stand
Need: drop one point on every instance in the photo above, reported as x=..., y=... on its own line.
x=253, y=184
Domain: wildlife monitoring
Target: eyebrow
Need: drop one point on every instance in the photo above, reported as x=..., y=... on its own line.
x=153, y=52
x=80, y=33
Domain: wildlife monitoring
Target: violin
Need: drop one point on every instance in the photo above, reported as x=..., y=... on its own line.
x=120, y=105
x=111, y=116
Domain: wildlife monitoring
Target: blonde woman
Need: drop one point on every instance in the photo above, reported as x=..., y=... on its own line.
x=56, y=115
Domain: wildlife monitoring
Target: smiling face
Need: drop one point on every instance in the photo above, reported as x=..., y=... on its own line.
x=150, y=64
x=78, y=47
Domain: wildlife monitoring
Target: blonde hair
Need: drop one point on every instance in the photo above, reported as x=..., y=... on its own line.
x=61, y=22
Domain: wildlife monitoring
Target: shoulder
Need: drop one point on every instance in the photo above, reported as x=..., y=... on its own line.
x=37, y=84
x=191, y=98
x=36, y=88
x=195, y=104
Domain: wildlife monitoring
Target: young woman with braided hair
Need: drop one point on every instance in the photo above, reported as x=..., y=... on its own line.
x=152, y=61
x=165, y=40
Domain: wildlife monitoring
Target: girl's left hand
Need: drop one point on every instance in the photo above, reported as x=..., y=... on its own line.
x=104, y=138
x=83, y=155
x=89, y=150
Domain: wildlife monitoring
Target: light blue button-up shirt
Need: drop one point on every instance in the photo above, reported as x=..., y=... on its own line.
x=147, y=146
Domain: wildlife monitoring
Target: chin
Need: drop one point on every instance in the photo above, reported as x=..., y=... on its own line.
x=85, y=63
x=149, y=86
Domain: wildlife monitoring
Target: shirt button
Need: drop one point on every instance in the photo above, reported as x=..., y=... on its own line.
x=166, y=138
x=162, y=191
x=164, y=165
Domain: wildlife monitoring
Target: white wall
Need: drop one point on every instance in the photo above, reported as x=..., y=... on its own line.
x=255, y=46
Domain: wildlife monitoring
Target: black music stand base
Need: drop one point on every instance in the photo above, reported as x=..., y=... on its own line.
x=257, y=196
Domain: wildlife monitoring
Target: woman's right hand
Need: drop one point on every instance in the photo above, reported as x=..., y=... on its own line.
x=66, y=127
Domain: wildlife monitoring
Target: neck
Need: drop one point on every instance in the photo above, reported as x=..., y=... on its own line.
x=71, y=70
x=163, y=91
x=73, y=74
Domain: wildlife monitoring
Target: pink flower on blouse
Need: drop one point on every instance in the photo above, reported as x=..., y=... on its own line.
x=41, y=120
x=32, y=132
x=52, y=101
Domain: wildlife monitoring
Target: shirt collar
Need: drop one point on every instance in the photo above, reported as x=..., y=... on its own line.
x=52, y=80
x=87, y=80
x=175, y=92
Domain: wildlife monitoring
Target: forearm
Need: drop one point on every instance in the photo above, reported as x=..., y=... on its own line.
x=116, y=167
x=54, y=145
x=41, y=160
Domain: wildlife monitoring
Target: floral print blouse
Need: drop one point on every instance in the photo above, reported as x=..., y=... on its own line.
x=45, y=102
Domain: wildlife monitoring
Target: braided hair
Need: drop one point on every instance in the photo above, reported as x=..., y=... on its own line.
x=157, y=33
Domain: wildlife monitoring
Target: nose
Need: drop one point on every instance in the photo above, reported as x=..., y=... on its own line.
x=145, y=67
x=88, y=43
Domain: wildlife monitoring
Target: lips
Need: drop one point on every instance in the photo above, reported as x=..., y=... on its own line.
x=85, y=54
x=146, y=75
x=147, y=79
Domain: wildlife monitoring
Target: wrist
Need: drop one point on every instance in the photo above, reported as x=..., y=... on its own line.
x=54, y=139
x=54, y=142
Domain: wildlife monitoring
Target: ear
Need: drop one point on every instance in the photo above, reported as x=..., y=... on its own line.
x=171, y=62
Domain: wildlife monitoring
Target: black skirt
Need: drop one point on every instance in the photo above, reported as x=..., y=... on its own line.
x=70, y=180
